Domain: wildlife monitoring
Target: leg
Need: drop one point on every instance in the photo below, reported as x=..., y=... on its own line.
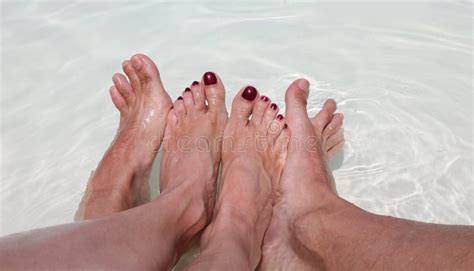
x=148, y=237
x=253, y=155
x=121, y=178
x=312, y=228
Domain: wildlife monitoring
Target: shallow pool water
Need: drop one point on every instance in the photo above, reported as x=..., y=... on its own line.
x=401, y=73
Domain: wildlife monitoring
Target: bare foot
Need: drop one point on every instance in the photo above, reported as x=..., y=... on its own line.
x=253, y=155
x=192, y=148
x=121, y=179
x=313, y=141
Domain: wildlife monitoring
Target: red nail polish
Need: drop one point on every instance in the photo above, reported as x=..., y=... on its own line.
x=264, y=98
x=195, y=83
x=187, y=89
x=280, y=116
x=249, y=93
x=209, y=78
x=274, y=106
x=285, y=126
x=180, y=98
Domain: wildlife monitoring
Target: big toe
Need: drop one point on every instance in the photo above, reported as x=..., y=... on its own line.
x=296, y=100
x=215, y=92
x=146, y=70
x=242, y=105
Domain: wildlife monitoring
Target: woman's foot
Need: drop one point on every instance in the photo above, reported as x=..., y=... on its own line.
x=306, y=180
x=254, y=151
x=192, y=149
x=121, y=179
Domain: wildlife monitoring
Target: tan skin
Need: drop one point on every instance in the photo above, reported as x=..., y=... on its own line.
x=316, y=231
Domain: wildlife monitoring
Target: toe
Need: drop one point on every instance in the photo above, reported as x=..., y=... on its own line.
x=242, y=105
x=334, y=125
x=124, y=88
x=324, y=116
x=269, y=115
x=179, y=108
x=118, y=100
x=296, y=114
x=259, y=110
x=146, y=69
x=132, y=75
x=199, y=96
x=215, y=92
x=275, y=127
x=335, y=139
x=334, y=150
x=188, y=100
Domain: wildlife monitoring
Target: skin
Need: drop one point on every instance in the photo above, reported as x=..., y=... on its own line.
x=120, y=181
x=149, y=237
x=314, y=229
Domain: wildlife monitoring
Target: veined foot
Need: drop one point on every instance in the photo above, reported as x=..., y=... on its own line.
x=192, y=150
x=306, y=182
x=121, y=179
x=254, y=151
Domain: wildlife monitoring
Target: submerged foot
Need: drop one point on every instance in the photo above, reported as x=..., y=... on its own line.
x=192, y=149
x=121, y=179
x=254, y=150
x=306, y=180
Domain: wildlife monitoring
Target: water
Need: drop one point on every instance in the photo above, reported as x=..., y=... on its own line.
x=401, y=73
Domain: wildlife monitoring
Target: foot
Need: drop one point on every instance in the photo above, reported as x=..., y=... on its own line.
x=306, y=181
x=254, y=151
x=121, y=179
x=192, y=150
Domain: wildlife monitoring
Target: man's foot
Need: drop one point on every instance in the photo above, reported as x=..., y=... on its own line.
x=192, y=149
x=306, y=181
x=254, y=151
x=121, y=179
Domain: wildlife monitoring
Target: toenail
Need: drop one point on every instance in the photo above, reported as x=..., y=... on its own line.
x=264, y=98
x=303, y=84
x=187, y=89
x=195, y=83
x=136, y=62
x=249, y=93
x=280, y=116
x=209, y=78
x=285, y=126
x=274, y=106
x=180, y=98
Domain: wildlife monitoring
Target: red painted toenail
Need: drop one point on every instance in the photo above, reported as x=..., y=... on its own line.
x=180, y=98
x=209, y=78
x=280, y=116
x=195, y=83
x=274, y=106
x=187, y=89
x=264, y=98
x=285, y=126
x=249, y=93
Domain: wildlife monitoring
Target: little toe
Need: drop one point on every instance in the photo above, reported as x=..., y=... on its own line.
x=334, y=150
x=276, y=126
x=118, y=100
x=199, y=96
x=324, y=116
x=242, y=105
x=334, y=125
x=123, y=87
x=215, y=92
x=259, y=110
x=179, y=108
x=334, y=139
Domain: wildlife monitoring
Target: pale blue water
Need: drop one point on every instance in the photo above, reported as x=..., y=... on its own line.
x=401, y=73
